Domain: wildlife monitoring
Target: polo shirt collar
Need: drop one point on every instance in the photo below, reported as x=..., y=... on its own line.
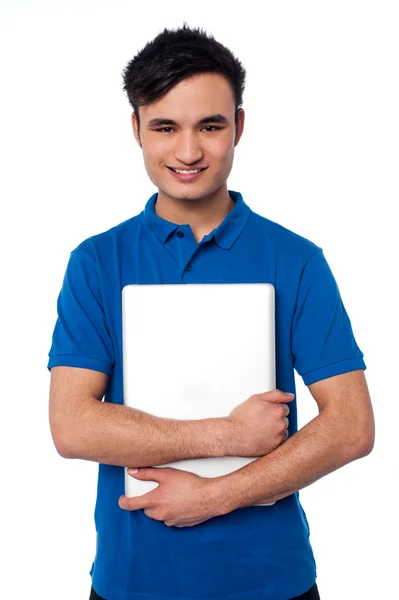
x=225, y=234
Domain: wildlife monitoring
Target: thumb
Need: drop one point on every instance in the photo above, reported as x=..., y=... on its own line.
x=144, y=473
x=278, y=396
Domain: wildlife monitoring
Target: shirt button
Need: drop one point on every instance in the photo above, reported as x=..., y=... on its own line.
x=180, y=234
x=188, y=268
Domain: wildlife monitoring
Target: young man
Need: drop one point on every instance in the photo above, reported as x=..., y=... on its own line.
x=194, y=537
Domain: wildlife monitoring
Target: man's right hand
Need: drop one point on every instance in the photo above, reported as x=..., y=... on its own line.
x=260, y=423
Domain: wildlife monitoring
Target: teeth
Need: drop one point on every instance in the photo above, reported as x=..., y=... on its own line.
x=187, y=171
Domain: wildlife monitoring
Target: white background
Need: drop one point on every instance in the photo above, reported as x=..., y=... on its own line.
x=319, y=155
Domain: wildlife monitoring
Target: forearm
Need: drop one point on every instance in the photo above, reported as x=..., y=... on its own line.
x=319, y=448
x=119, y=435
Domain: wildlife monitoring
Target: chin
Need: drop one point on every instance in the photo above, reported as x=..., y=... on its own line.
x=189, y=192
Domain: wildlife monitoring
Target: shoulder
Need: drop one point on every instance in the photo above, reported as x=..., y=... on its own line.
x=286, y=243
x=105, y=241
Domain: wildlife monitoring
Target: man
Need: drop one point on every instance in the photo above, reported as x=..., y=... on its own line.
x=194, y=537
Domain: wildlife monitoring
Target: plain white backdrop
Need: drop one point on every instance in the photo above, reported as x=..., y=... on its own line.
x=319, y=155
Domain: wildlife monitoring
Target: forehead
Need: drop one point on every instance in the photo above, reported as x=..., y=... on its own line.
x=193, y=98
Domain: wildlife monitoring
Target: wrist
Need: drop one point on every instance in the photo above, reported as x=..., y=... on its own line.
x=222, y=493
x=215, y=438
x=232, y=437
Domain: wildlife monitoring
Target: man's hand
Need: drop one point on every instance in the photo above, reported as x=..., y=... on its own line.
x=260, y=423
x=182, y=498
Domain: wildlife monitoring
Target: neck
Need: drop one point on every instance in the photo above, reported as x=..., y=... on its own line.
x=202, y=214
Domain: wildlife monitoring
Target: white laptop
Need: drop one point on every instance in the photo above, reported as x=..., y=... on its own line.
x=195, y=351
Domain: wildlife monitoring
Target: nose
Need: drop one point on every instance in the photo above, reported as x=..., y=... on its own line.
x=188, y=148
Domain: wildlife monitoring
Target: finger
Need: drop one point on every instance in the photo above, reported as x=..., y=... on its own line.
x=146, y=473
x=287, y=409
x=135, y=502
x=278, y=396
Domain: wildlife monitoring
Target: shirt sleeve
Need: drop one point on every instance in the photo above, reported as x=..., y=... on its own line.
x=81, y=337
x=323, y=344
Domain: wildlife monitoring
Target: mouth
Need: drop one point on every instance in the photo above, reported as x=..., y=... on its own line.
x=186, y=174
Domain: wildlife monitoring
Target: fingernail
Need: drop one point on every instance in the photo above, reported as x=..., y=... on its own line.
x=132, y=470
x=289, y=394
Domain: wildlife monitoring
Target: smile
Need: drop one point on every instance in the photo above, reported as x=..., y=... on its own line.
x=186, y=175
x=184, y=171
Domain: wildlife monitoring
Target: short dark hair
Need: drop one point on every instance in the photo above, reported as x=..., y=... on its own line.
x=174, y=55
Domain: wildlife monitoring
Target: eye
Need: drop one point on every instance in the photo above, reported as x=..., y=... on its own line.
x=168, y=129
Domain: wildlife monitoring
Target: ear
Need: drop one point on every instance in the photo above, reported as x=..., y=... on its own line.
x=240, y=125
x=135, y=127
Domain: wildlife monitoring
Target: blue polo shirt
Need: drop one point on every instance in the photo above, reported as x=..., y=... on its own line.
x=252, y=553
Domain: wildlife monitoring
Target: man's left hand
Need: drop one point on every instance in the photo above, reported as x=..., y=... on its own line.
x=182, y=499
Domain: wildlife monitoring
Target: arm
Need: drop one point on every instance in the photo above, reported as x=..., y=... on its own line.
x=84, y=427
x=81, y=360
x=342, y=432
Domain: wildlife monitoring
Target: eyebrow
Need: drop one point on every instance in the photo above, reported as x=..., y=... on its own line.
x=218, y=118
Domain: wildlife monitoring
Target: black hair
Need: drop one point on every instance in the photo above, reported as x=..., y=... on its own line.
x=174, y=55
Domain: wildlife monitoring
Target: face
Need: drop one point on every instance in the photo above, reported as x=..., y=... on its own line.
x=190, y=127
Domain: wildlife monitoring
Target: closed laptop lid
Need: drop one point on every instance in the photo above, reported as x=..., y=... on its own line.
x=195, y=351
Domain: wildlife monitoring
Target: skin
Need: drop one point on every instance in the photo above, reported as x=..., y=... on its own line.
x=202, y=204
x=343, y=430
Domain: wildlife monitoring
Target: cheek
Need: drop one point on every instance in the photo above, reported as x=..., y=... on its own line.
x=224, y=149
x=155, y=150
x=226, y=155
x=153, y=160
